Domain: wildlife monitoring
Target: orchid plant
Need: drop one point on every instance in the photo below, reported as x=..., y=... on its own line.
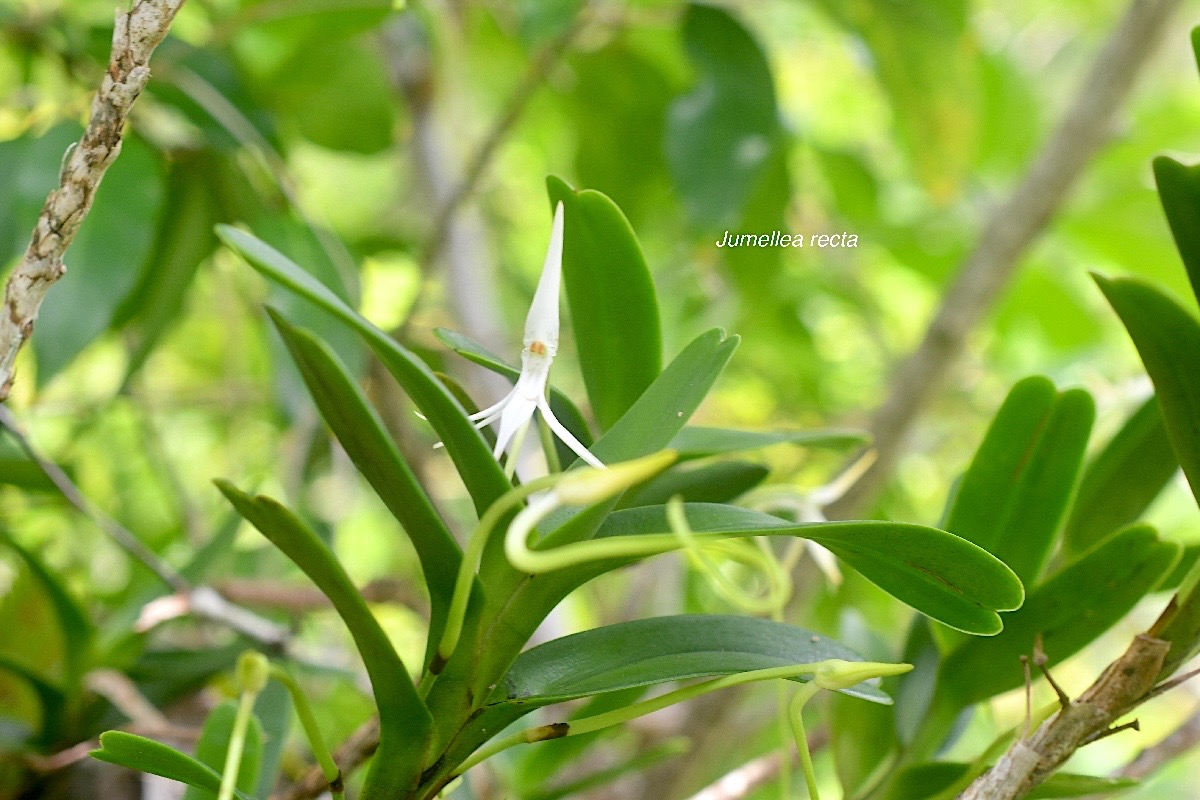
x=636, y=481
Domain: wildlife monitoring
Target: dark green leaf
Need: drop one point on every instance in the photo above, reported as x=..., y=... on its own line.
x=939, y=574
x=367, y=442
x=214, y=743
x=1179, y=192
x=695, y=442
x=1168, y=340
x=147, y=755
x=614, y=311
x=29, y=171
x=721, y=135
x=1015, y=492
x=482, y=475
x=645, y=652
x=49, y=697
x=105, y=260
x=1122, y=480
x=709, y=483
x=405, y=724
x=1069, y=610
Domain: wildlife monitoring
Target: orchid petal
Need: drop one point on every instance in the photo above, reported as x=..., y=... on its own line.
x=517, y=412
x=541, y=325
x=566, y=436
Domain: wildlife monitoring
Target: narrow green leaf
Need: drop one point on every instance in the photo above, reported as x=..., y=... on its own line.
x=1069, y=610
x=645, y=652
x=214, y=743
x=1179, y=193
x=566, y=410
x=1168, y=339
x=941, y=575
x=696, y=442
x=50, y=698
x=405, y=723
x=614, y=311
x=1122, y=480
x=708, y=483
x=367, y=442
x=1013, y=496
x=147, y=755
x=480, y=473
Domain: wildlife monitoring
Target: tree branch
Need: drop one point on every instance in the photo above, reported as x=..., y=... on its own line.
x=135, y=35
x=1123, y=685
x=1009, y=232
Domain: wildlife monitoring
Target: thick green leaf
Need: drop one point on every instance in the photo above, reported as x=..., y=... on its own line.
x=697, y=442
x=941, y=575
x=1069, y=610
x=614, y=311
x=708, y=483
x=49, y=697
x=1122, y=480
x=923, y=781
x=479, y=471
x=645, y=652
x=147, y=755
x=722, y=134
x=214, y=743
x=1179, y=192
x=105, y=261
x=562, y=406
x=367, y=442
x=405, y=724
x=1168, y=340
x=1015, y=492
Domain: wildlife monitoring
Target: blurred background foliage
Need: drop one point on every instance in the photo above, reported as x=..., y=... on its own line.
x=337, y=129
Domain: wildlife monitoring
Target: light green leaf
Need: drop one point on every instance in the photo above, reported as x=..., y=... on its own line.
x=645, y=652
x=405, y=724
x=1121, y=481
x=614, y=311
x=1179, y=192
x=214, y=743
x=147, y=755
x=363, y=435
x=479, y=471
x=697, y=442
x=1015, y=492
x=1069, y=610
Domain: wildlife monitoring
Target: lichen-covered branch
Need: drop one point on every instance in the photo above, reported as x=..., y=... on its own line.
x=135, y=35
x=1127, y=682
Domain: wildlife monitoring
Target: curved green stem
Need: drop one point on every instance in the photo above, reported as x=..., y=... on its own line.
x=829, y=674
x=316, y=741
x=796, y=714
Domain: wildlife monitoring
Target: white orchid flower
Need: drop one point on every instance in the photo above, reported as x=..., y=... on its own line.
x=515, y=411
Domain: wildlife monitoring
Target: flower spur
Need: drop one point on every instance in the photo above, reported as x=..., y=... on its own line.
x=516, y=410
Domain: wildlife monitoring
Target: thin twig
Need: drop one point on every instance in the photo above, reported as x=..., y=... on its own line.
x=1010, y=231
x=136, y=34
